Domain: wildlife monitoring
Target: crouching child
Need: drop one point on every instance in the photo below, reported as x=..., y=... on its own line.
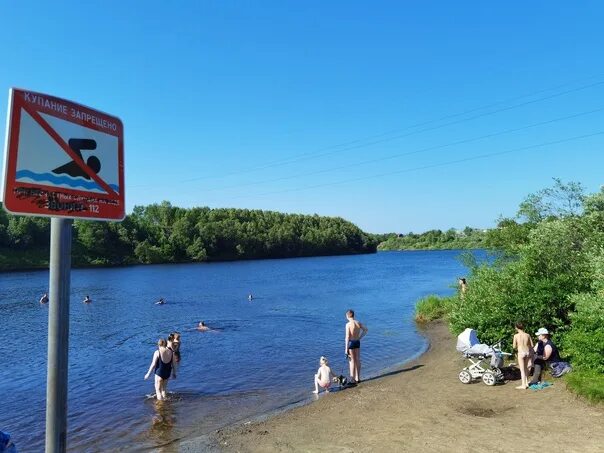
x=324, y=376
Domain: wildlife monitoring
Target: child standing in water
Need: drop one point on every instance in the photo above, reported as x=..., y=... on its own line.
x=524, y=344
x=174, y=346
x=324, y=376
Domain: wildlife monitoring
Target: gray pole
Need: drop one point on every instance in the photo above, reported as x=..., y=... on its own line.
x=58, y=335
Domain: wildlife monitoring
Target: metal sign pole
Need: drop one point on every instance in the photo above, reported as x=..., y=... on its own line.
x=58, y=335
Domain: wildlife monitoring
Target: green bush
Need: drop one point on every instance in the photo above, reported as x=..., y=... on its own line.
x=431, y=308
x=498, y=297
x=584, y=341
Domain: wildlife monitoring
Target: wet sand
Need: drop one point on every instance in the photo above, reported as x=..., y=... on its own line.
x=424, y=407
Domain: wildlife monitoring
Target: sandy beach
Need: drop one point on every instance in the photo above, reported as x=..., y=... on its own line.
x=424, y=407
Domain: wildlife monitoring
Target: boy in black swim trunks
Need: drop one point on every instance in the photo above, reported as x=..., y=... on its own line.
x=354, y=332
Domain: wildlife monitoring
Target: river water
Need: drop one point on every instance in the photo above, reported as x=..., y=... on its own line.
x=262, y=356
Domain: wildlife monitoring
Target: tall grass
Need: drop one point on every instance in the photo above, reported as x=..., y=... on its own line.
x=431, y=308
x=589, y=384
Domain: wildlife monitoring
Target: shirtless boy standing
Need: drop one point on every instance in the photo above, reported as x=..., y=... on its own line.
x=524, y=344
x=354, y=332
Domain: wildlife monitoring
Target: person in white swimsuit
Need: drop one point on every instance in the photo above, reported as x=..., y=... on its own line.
x=524, y=344
x=324, y=376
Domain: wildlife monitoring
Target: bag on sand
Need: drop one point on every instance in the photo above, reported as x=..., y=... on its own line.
x=560, y=368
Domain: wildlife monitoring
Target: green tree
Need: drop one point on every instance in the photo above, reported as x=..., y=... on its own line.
x=560, y=200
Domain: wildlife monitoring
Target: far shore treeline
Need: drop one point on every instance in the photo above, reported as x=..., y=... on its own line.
x=468, y=238
x=162, y=233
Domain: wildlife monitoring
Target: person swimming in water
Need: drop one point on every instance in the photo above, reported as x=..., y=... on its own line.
x=354, y=332
x=44, y=299
x=161, y=301
x=202, y=327
x=250, y=297
x=87, y=300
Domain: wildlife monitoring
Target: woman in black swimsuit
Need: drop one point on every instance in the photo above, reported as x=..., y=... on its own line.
x=161, y=365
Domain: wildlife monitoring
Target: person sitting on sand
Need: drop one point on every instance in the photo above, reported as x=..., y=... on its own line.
x=202, y=327
x=324, y=376
x=87, y=300
x=524, y=344
x=44, y=299
x=354, y=332
x=545, y=353
x=161, y=301
x=161, y=366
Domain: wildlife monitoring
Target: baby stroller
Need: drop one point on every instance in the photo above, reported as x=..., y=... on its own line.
x=478, y=353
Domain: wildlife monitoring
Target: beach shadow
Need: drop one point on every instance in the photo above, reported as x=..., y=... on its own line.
x=511, y=373
x=395, y=372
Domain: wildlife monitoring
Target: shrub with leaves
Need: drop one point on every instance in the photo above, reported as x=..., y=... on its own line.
x=534, y=288
x=432, y=307
x=584, y=342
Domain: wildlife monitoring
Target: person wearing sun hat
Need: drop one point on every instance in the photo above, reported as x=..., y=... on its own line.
x=545, y=353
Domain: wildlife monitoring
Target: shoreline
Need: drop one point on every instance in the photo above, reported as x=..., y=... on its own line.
x=45, y=267
x=207, y=442
x=419, y=406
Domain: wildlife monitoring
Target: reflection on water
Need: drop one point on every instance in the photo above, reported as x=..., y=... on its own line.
x=261, y=357
x=162, y=423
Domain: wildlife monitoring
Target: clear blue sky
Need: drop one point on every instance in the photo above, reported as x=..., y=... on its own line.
x=250, y=104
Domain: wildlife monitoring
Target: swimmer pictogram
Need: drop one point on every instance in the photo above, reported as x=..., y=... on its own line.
x=72, y=168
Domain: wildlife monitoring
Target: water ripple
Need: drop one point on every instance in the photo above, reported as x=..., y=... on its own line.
x=261, y=357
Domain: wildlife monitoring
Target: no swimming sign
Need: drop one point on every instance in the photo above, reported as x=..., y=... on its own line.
x=62, y=159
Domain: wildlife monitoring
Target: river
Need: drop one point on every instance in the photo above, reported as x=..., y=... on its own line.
x=261, y=357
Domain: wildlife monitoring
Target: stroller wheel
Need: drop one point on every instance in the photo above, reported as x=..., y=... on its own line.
x=465, y=376
x=489, y=378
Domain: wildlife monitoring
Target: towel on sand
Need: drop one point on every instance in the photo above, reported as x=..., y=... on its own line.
x=540, y=386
